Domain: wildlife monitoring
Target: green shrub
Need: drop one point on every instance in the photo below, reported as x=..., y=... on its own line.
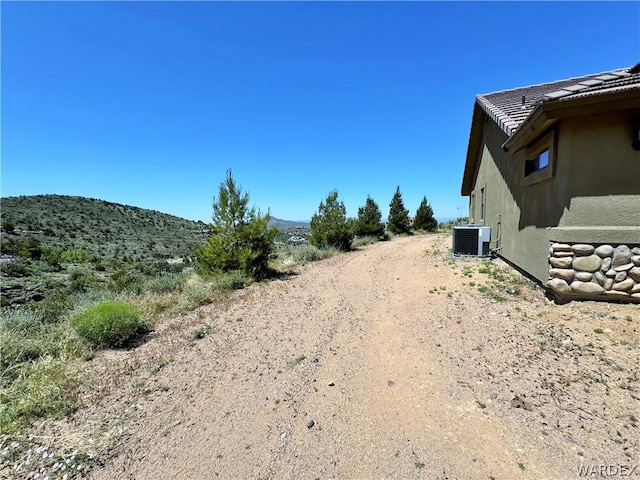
x=424, y=219
x=83, y=280
x=109, y=324
x=398, y=221
x=242, y=239
x=329, y=227
x=126, y=280
x=369, y=222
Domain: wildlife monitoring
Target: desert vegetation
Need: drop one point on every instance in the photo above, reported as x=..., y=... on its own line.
x=80, y=275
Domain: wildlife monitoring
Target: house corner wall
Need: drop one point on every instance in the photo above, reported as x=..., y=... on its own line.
x=501, y=178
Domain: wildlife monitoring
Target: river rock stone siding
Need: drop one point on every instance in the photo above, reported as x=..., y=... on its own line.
x=595, y=270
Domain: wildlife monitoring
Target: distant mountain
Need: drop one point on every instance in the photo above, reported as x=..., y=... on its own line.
x=284, y=224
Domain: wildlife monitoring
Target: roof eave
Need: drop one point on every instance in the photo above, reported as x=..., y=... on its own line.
x=548, y=113
x=473, y=149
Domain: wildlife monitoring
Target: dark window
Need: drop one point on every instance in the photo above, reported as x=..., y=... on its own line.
x=482, y=203
x=536, y=163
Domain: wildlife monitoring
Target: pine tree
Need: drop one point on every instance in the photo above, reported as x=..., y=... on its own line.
x=424, y=217
x=329, y=227
x=369, y=220
x=242, y=239
x=398, y=221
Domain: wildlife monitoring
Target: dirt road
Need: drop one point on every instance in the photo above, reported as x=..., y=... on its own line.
x=385, y=362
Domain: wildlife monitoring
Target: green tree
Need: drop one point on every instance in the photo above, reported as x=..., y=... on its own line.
x=329, y=227
x=398, y=221
x=424, y=217
x=28, y=248
x=369, y=220
x=241, y=240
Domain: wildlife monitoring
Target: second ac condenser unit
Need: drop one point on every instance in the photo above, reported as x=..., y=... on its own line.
x=471, y=240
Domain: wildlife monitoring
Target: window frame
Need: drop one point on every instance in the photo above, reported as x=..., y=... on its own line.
x=546, y=143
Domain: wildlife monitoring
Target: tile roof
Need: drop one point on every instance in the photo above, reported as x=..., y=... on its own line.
x=523, y=112
x=509, y=108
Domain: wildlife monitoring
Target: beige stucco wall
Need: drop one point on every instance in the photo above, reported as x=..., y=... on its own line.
x=593, y=195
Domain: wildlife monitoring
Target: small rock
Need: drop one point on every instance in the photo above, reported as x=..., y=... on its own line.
x=311, y=424
x=608, y=283
x=586, y=287
x=517, y=402
x=604, y=251
x=635, y=250
x=636, y=260
x=624, y=268
x=606, y=264
x=624, y=285
x=570, y=440
x=565, y=274
x=582, y=249
x=561, y=247
x=620, y=276
x=600, y=278
x=510, y=291
x=584, y=276
x=589, y=263
x=618, y=293
x=635, y=274
x=493, y=396
x=332, y=384
x=621, y=256
x=561, y=262
x=558, y=285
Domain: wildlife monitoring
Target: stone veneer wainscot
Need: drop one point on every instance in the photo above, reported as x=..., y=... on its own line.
x=595, y=271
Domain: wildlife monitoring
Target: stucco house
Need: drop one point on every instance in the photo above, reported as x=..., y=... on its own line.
x=554, y=171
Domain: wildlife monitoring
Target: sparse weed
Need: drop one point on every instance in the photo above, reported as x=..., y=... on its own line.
x=160, y=365
x=47, y=389
x=296, y=361
x=201, y=332
x=362, y=241
x=306, y=253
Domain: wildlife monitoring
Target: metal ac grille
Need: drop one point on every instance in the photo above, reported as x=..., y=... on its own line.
x=465, y=241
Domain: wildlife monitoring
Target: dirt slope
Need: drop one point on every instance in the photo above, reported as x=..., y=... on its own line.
x=381, y=363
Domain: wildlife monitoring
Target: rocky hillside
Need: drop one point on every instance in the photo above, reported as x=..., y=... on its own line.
x=103, y=229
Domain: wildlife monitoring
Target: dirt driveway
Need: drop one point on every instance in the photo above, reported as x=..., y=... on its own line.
x=386, y=362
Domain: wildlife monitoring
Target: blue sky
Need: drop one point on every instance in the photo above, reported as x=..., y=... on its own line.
x=149, y=103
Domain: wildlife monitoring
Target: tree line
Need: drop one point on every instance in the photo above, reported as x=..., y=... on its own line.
x=242, y=239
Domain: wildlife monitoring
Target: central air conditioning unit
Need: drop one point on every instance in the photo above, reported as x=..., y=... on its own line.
x=471, y=240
